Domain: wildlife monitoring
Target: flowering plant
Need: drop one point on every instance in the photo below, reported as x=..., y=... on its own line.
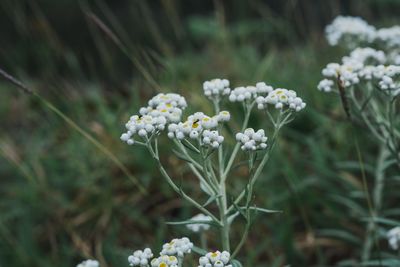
x=368, y=83
x=200, y=140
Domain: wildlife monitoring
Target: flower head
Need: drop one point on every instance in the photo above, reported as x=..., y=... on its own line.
x=252, y=140
x=215, y=259
x=165, y=261
x=177, y=247
x=89, y=263
x=198, y=227
x=349, y=29
x=393, y=237
x=140, y=258
x=216, y=88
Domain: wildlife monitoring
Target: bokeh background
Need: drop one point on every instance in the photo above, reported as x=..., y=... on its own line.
x=64, y=197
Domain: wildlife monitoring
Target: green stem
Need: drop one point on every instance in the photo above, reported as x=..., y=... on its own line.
x=177, y=189
x=377, y=199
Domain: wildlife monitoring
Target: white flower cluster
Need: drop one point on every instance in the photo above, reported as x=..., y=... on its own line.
x=216, y=88
x=248, y=93
x=201, y=226
x=325, y=85
x=177, y=247
x=215, y=259
x=200, y=127
x=165, y=261
x=140, y=257
x=387, y=77
x=252, y=140
x=393, y=237
x=162, y=109
x=281, y=98
x=365, y=56
x=89, y=263
x=389, y=36
x=353, y=30
x=349, y=29
x=346, y=73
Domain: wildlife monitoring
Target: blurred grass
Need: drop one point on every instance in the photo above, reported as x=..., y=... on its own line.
x=62, y=200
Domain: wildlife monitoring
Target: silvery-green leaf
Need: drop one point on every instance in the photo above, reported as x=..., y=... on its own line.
x=205, y=189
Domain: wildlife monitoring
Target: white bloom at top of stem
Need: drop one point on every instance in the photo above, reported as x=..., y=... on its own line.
x=248, y=93
x=175, y=100
x=215, y=259
x=281, y=98
x=349, y=29
x=389, y=36
x=165, y=261
x=201, y=226
x=140, y=258
x=252, y=140
x=223, y=116
x=216, y=88
x=393, y=237
x=89, y=263
x=346, y=73
x=199, y=126
x=325, y=85
x=177, y=247
x=162, y=109
x=365, y=55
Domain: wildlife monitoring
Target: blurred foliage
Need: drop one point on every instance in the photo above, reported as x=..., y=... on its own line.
x=62, y=200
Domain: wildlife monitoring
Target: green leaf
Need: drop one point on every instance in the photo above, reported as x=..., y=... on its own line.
x=205, y=190
x=210, y=200
x=383, y=263
x=383, y=221
x=262, y=210
x=199, y=251
x=187, y=222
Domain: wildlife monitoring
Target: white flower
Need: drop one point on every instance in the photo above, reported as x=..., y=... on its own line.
x=224, y=116
x=198, y=227
x=89, y=263
x=393, y=237
x=349, y=29
x=162, y=109
x=282, y=97
x=212, y=138
x=216, y=88
x=241, y=94
x=325, y=85
x=140, y=258
x=165, y=261
x=389, y=36
x=215, y=259
x=252, y=140
x=365, y=56
x=177, y=247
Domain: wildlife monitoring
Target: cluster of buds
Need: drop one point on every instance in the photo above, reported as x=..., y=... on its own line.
x=140, y=258
x=215, y=259
x=201, y=127
x=252, y=140
x=248, y=93
x=281, y=98
x=177, y=247
x=349, y=29
x=162, y=109
x=216, y=88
